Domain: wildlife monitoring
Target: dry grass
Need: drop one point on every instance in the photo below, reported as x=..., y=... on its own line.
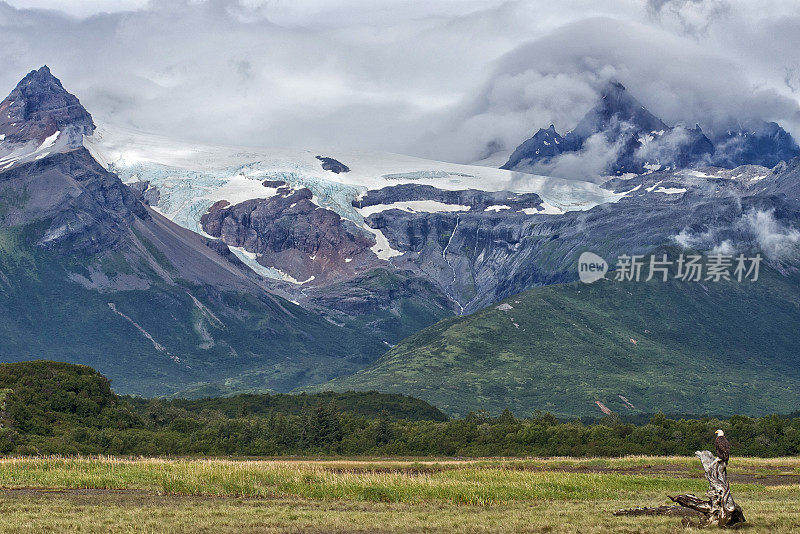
x=374, y=495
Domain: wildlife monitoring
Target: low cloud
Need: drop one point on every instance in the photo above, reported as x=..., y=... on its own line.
x=664, y=147
x=590, y=163
x=451, y=80
x=705, y=240
x=777, y=241
x=754, y=230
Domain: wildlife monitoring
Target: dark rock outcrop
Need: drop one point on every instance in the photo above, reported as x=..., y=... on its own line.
x=294, y=235
x=476, y=199
x=146, y=192
x=38, y=107
x=330, y=164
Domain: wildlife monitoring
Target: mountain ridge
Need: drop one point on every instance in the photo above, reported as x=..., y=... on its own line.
x=640, y=141
x=637, y=347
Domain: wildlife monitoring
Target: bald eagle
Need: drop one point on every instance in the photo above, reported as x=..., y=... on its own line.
x=722, y=446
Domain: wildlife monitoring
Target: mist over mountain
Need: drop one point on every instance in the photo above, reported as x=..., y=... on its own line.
x=442, y=81
x=619, y=135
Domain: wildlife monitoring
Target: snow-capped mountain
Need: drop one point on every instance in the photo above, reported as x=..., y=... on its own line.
x=194, y=251
x=633, y=140
x=91, y=275
x=317, y=224
x=307, y=219
x=470, y=235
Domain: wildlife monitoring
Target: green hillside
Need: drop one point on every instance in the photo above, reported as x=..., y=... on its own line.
x=677, y=347
x=366, y=404
x=158, y=337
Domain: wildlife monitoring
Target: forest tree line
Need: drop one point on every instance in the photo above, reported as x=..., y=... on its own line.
x=48, y=408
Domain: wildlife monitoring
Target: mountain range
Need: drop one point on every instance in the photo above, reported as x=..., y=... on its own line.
x=634, y=141
x=178, y=268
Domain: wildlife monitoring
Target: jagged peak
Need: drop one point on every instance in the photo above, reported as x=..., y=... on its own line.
x=42, y=75
x=613, y=87
x=621, y=118
x=616, y=96
x=39, y=106
x=616, y=103
x=41, y=92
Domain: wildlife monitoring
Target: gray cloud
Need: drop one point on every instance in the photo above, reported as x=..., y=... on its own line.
x=774, y=239
x=443, y=79
x=555, y=79
x=588, y=164
x=754, y=230
x=692, y=17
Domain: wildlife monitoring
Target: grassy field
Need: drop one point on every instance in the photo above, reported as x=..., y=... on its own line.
x=376, y=495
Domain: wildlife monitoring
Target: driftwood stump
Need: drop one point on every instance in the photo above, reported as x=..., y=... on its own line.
x=719, y=509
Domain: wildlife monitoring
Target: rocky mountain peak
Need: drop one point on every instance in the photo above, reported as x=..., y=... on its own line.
x=618, y=106
x=39, y=106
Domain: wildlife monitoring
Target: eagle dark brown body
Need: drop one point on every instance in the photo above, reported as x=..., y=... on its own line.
x=722, y=447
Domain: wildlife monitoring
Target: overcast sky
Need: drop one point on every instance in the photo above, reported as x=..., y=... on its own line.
x=435, y=78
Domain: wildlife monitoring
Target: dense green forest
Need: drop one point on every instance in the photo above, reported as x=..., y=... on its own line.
x=58, y=408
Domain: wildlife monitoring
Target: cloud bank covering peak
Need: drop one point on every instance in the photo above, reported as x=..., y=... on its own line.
x=453, y=80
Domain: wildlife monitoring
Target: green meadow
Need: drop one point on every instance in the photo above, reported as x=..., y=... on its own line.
x=104, y=494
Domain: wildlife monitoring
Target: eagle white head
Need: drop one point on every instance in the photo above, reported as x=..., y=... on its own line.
x=720, y=432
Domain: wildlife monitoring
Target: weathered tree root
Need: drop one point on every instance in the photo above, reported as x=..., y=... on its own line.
x=670, y=510
x=718, y=510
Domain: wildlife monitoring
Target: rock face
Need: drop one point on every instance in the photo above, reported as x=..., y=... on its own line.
x=639, y=141
x=292, y=234
x=473, y=200
x=330, y=164
x=480, y=257
x=87, y=207
x=38, y=107
x=459, y=251
x=764, y=143
x=145, y=192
